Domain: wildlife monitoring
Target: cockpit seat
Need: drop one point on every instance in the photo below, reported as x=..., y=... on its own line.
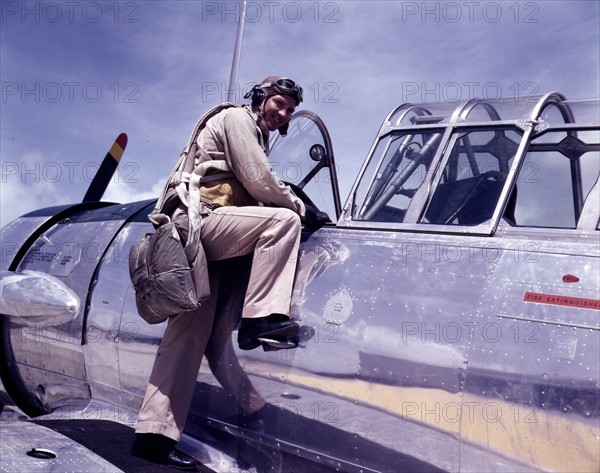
x=468, y=201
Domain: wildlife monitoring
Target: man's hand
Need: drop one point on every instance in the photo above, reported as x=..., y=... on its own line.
x=314, y=218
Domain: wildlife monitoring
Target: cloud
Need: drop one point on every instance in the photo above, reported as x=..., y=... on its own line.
x=27, y=185
x=122, y=192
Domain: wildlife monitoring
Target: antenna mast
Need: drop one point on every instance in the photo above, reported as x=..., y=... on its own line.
x=233, y=78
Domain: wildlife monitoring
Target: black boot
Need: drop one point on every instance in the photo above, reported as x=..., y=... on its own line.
x=160, y=449
x=274, y=326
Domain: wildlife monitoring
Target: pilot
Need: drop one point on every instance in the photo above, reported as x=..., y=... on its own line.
x=249, y=211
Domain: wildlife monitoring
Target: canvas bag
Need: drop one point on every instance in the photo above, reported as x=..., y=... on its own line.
x=168, y=268
x=162, y=276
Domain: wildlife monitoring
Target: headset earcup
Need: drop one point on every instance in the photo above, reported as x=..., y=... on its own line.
x=258, y=95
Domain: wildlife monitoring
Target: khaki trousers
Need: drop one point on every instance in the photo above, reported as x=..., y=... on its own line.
x=273, y=235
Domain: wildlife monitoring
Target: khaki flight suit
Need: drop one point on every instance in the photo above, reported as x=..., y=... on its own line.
x=238, y=226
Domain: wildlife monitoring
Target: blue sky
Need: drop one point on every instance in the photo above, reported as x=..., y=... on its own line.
x=74, y=74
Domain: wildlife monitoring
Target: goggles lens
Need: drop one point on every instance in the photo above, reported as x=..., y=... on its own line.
x=287, y=87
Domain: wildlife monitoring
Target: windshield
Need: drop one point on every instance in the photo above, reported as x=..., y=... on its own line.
x=473, y=177
x=398, y=167
x=305, y=158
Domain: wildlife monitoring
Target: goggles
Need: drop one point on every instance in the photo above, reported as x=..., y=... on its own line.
x=285, y=87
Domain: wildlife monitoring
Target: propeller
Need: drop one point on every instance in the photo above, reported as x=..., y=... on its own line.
x=106, y=170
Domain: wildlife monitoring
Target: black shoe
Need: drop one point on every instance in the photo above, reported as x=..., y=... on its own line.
x=160, y=449
x=275, y=326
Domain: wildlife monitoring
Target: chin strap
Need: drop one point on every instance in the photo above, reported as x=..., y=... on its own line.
x=258, y=111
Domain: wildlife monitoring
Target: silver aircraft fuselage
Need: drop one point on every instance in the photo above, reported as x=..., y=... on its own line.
x=453, y=304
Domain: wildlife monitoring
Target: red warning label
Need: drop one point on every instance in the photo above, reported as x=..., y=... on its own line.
x=567, y=301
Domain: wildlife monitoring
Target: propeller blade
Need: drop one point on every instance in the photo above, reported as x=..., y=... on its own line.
x=106, y=170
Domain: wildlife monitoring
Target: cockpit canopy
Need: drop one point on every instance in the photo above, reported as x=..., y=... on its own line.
x=472, y=166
